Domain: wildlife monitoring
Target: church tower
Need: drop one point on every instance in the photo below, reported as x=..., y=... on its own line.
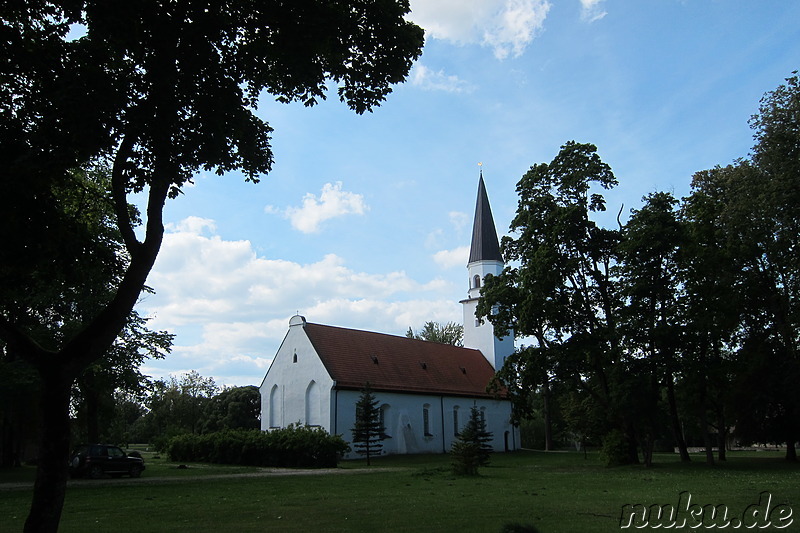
x=484, y=258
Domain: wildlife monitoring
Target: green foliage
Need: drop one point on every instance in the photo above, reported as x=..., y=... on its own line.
x=450, y=333
x=368, y=432
x=233, y=408
x=473, y=446
x=293, y=446
x=686, y=317
x=615, y=448
x=561, y=289
x=160, y=91
x=176, y=406
x=466, y=458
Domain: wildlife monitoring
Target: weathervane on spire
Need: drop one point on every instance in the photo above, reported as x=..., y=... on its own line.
x=480, y=165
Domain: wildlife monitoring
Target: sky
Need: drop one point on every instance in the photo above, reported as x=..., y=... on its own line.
x=365, y=220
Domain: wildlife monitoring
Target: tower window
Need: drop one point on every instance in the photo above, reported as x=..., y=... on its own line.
x=476, y=281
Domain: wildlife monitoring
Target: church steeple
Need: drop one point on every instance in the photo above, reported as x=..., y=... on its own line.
x=485, y=246
x=484, y=259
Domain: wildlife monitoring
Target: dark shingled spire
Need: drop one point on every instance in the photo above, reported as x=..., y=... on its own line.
x=484, y=235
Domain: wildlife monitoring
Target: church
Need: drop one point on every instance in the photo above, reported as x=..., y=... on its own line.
x=425, y=389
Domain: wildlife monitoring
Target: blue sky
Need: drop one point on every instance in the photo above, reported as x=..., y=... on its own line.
x=364, y=221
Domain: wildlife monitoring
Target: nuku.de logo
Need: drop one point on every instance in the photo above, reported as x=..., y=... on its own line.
x=759, y=515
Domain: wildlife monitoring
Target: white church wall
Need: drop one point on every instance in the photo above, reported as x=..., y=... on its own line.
x=296, y=388
x=410, y=429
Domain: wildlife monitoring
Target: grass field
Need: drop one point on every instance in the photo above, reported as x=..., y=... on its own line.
x=556, y=492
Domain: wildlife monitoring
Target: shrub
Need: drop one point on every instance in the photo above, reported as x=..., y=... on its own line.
x=466, y=458
x=294, y=446
x=614, y=451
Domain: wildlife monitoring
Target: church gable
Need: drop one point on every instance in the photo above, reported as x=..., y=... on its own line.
x=296, y=388
x=391, y=363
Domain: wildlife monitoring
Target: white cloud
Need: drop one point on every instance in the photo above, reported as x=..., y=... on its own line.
x=231, y=307
x=507, y=26
x=458, y=219
x=452, y=258
x=591, y=10
x=425, y=78
x=332, y=202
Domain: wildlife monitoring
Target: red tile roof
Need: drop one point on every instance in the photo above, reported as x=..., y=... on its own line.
x=391, y=363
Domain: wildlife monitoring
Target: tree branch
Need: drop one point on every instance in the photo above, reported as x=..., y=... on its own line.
x=119, y=193
x=23, y=345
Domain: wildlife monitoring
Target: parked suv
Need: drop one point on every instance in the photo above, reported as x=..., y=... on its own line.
x=97, y=460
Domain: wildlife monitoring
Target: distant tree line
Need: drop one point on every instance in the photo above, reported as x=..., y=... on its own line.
x=189, y=404
x=678, y=326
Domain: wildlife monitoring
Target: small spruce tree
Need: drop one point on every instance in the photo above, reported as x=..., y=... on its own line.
x=473, y=447
x=368, y=432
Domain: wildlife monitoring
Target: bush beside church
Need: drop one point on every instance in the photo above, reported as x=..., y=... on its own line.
x=293, y=446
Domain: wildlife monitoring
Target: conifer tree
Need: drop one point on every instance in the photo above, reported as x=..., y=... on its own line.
x=368, y=431
x=473, y=446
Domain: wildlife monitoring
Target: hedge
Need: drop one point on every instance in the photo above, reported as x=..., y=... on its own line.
x=294, y=446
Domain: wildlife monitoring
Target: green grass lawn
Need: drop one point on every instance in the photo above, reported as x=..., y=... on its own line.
x=556, y=492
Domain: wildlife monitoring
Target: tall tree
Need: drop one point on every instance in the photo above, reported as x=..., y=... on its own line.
x=368, y=431
x=65, y=278
x=710, y=278
x=450, y=333
x=161, y=90
x=563, y=293
x=650, y=281
x=773, y=239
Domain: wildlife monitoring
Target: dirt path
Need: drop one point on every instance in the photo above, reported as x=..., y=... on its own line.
x=264, y=472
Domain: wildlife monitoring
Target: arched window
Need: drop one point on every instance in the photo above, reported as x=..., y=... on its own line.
x=383, y=418
x=312, y=404
x=456, y=429
x=476, y=281
x=274, y=413
x=294, y=357
x=426, y=420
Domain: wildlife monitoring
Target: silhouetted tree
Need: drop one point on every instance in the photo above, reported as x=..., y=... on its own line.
x=160, y=91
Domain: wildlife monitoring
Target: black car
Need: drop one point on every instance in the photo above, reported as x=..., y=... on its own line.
x=97, y=460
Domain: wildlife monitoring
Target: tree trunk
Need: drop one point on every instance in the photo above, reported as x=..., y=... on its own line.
x=791, y=451
x=91, y=402
x=548, y=429
x=8, y=443
x=677, y=431
x=50, y=487
x=722, y=435
x=633, y=447
x=648, y=444
x=704, y=423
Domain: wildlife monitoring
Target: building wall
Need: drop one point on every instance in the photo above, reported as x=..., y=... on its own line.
x=296, y=388
x=404, y=419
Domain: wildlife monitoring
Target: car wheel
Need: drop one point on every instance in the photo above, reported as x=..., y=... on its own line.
x=136, y=471
x=95, y=472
